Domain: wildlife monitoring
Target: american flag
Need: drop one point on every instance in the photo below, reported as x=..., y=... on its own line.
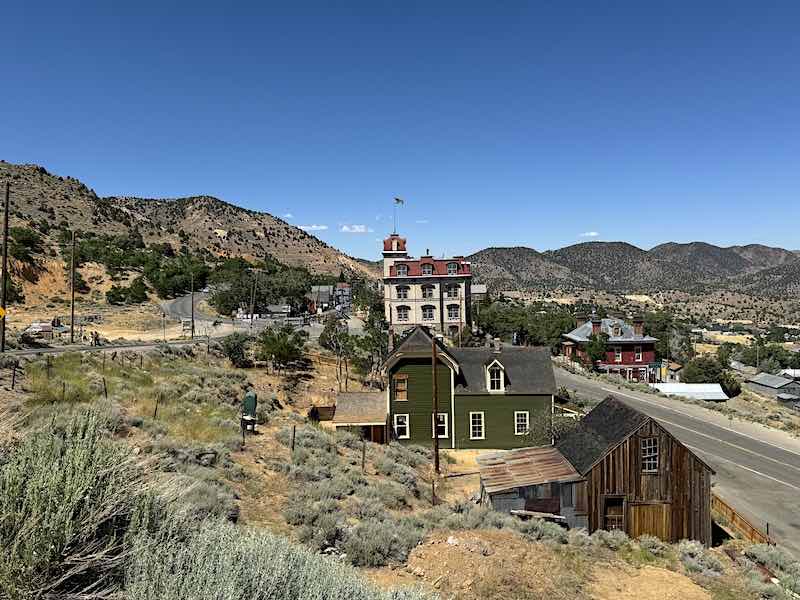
x=399, y=201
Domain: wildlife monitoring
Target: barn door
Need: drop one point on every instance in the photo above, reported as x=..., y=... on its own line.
x=614, y=513
x=650, y=519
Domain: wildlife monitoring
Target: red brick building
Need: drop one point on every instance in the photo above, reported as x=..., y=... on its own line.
x=629, y=352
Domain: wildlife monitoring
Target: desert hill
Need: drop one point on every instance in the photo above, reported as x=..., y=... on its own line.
x=45, y=201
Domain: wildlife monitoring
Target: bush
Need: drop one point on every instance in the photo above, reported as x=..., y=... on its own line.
x=653, y=545
x=613, y=540
x=406, y=476
x=67, y=499
x=697, y=560
x=221, y=561
x=376, y=543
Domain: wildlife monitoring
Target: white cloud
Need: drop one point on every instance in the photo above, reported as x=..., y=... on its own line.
x=590, y=234
x=422, y=221
x=288, y=216
x=313, y=227
x=355, y=229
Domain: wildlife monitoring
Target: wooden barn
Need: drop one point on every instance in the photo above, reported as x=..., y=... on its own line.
x=638, y=477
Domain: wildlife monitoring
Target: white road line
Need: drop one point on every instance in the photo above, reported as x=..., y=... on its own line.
x=685, y=414
x=742, y=448
x=759, y=473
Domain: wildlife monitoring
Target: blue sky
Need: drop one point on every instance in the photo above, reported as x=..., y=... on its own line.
x=500, y=123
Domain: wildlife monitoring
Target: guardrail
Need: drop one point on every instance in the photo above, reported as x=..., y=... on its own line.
x=738, y=523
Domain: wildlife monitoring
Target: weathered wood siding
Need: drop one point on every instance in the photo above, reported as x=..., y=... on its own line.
x=674, y=503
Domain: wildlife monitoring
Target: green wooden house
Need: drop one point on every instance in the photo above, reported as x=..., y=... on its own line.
x=489, y=397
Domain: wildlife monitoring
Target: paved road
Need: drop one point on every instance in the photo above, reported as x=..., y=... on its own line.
x=757, y=469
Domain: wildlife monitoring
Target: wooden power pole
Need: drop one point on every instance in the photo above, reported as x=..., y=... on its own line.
x=4, y=287
x=191, y=300
x=435, y=407
x=72, y=293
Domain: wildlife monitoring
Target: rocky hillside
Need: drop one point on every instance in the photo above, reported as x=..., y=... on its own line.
x=522, y=268
x=43, y=200
x=622, y=267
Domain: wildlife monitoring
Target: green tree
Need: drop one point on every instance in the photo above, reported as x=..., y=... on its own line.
x=235, y=348
x=281, y=346
x=707, y=369
x=597, y=348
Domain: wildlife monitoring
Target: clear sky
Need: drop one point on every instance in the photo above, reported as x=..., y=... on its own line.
x=500, y=123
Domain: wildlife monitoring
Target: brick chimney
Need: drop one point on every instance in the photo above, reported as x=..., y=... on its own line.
x=596, y=323
x=581, y=318
x=638, y=325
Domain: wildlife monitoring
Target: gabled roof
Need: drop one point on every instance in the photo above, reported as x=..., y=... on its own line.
x=360, y=408
x=583, y=332
x=418, y=343
x=603, y=427
x=772, y=381
x=527, y=370
x=523, y=467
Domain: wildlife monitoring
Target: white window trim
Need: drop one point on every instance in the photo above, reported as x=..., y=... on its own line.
x=527, y=421
x=618, y=354
x=637, y=353
x=404, y=269
x=402, y=292
x=452, y=271
x=424, y=267
x=452, y=292
x=428, y=288
x=458, y=310
x=407, y=310
x=446, y=426
x=483, y=426
x=433, y=312
x=408, y=426
x=489, y=367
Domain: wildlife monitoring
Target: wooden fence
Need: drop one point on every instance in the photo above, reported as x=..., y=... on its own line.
x=737, y=523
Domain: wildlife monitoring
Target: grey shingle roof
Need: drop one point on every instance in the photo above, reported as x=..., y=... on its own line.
x=584, y=332
x=527, y=370
x=605, y=426
x=360, y=408
x=773, y=381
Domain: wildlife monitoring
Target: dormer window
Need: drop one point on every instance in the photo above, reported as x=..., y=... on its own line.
x=495, y=377
x=452, y=268
x=402, y=270
x=427, y=269
x=617, y=331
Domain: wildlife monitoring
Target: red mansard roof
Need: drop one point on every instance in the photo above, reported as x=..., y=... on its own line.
x=439, y=266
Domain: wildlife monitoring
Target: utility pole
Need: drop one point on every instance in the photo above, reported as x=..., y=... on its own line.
x=435, y=407
x=72, y=293
x=191, y=278
x=164, y=325
x=253, y=299
x=4, y=287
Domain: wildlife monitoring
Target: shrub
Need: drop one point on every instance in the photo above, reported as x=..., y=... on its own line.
x=402, y=474
x=66, y=498
x=579, y=537
x=697, y=560
x=391, y=495
x=613, y=540
x=221, y=561
x=537, y=529
x=376, y=543
x=653, y=545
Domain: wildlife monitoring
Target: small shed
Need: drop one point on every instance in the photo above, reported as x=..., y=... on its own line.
x=537, y=479
x=364, y=414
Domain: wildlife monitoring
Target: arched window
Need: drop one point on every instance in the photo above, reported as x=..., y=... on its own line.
x=402, y=270
x=452, y=268
x=452, y=291
x=402, y=313
x=495, y=378
x=427, y=291
x=428, y=312
x=402, y=292
x=427, y=269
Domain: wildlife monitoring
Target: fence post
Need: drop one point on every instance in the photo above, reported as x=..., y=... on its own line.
x=363, y=455
x=63, y=391
x=105, y=388
x=155, y=410
x=14, y=374
x=294, y=427
x=433, y=492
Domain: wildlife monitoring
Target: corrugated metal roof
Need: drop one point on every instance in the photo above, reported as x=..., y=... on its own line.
x=793, y=373
x=522, y=467
x=697, y=391
x=609, y=326
x=773, y=381
x=360, y=408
